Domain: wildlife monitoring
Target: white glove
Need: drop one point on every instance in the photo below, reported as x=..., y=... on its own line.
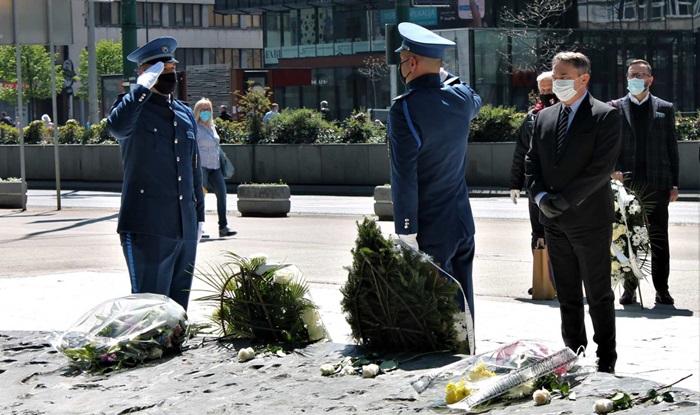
x=410, y=240
x=200, y=227
x=149, y=77
x=514, y=195
x=443, y=74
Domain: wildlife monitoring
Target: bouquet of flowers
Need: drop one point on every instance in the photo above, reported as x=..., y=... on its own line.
x=513, y=371
x=266, y=302
x=630, y=240
x=125, y=332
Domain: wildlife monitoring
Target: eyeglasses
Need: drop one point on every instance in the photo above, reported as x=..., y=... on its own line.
x=637, y=75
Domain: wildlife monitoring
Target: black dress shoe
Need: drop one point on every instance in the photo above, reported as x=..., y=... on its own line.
x=628, y=298
x=226, y=232
x=664, y=298
x=606, y=365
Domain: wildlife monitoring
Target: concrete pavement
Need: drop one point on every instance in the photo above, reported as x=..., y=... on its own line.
x=55, y=266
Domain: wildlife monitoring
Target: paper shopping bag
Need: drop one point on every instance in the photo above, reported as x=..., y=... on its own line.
x=542, y=288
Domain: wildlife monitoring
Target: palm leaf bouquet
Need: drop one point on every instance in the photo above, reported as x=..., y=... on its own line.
x=395, y=300
x=267, y=303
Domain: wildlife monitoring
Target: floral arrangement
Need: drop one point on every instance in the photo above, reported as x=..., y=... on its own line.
x=125, y=332
x=630, y=239
x=394, y=299
x=514, y=371
x=265, y=302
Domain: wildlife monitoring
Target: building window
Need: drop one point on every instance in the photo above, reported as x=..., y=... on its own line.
x=107, y=14
x=188, y=56
x=149, y=14
x=254, y=58
x=252, y=20
x=230, y=57
x=223, y=20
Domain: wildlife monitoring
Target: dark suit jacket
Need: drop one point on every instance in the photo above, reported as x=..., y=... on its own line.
x=661, y=143
x=580, y=173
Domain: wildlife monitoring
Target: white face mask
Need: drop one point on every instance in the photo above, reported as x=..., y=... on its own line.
x=636, y=86
x=564, y=89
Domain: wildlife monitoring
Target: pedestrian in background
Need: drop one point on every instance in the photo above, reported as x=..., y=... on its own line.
x=209, y=150
x=162, y=208
x=648, y=163
x=5, y=119
x=428, y=129
x=522, y=145
x=224, y=115
x=574, y=147
x=47, y=120
x=274, y=111
x=326, y=112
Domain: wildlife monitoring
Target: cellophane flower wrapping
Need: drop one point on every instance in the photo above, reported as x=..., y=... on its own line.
x=511, y=372
x=630, y=236
x=125, y=331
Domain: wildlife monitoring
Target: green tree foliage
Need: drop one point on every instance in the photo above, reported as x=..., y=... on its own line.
x=231, y=132
x=37, y=132
x=108, y=56
x=36, y=74
x=495, y=124
x=71, y=133
x=395, y=300
x=254, y=104
x=688, y=127
x=8, y=134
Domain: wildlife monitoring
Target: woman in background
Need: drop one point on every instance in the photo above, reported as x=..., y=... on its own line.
x=212, y=177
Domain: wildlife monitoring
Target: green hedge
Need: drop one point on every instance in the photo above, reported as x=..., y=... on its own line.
x=688, y=126
x=495, y=124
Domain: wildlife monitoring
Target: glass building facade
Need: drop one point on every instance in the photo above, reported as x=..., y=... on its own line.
x=497, y=55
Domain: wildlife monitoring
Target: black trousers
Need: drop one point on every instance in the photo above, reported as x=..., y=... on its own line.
x=581, y=255
x=657, y=215
x=537, y=227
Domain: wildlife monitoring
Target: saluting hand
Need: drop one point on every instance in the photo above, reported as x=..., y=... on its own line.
x=149, y=77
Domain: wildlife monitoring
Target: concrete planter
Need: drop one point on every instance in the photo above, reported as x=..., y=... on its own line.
x=13, y=195
x=263, y=199
x=383, y=206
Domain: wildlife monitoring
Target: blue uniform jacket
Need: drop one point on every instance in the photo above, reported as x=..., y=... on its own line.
x=428, y=131
x=162, y=190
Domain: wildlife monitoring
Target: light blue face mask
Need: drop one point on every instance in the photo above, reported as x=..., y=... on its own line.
x=636, y=86
x=205, y=115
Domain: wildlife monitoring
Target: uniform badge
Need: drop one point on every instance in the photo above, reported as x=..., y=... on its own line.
x=164, y=49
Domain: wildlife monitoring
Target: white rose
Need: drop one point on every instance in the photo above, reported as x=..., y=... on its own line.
x=347, y=370
x=262, y=257
x=603, y=406
x=327, y=369
x=541, y=397
x=246, y=354
x=370, y=371
x=312, y=321
x=615, y=265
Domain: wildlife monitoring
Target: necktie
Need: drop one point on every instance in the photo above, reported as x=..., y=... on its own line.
x=561, y=127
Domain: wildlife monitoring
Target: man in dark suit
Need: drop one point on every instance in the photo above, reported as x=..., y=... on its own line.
x=575, y=144
x=162, y=207
x=428, y=129
x=648, y=163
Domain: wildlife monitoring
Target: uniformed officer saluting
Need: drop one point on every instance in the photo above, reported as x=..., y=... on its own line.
x=162, y=210
x=428, y=130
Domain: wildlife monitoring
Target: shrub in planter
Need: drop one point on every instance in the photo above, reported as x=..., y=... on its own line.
x=360, y=129
x=231, y=132
x=301, y=126
x=71, y=133
x=98, y=134
x=495, y=124
x=8, y=134
x=688, y=127
x=36, y=132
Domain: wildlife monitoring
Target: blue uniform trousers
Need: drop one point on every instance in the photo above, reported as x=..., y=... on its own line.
x=160, y=265
x=456, y=258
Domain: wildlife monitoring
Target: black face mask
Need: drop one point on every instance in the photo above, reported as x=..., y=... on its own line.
x=548, y=99
x=166, y=83
x=403, y=78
